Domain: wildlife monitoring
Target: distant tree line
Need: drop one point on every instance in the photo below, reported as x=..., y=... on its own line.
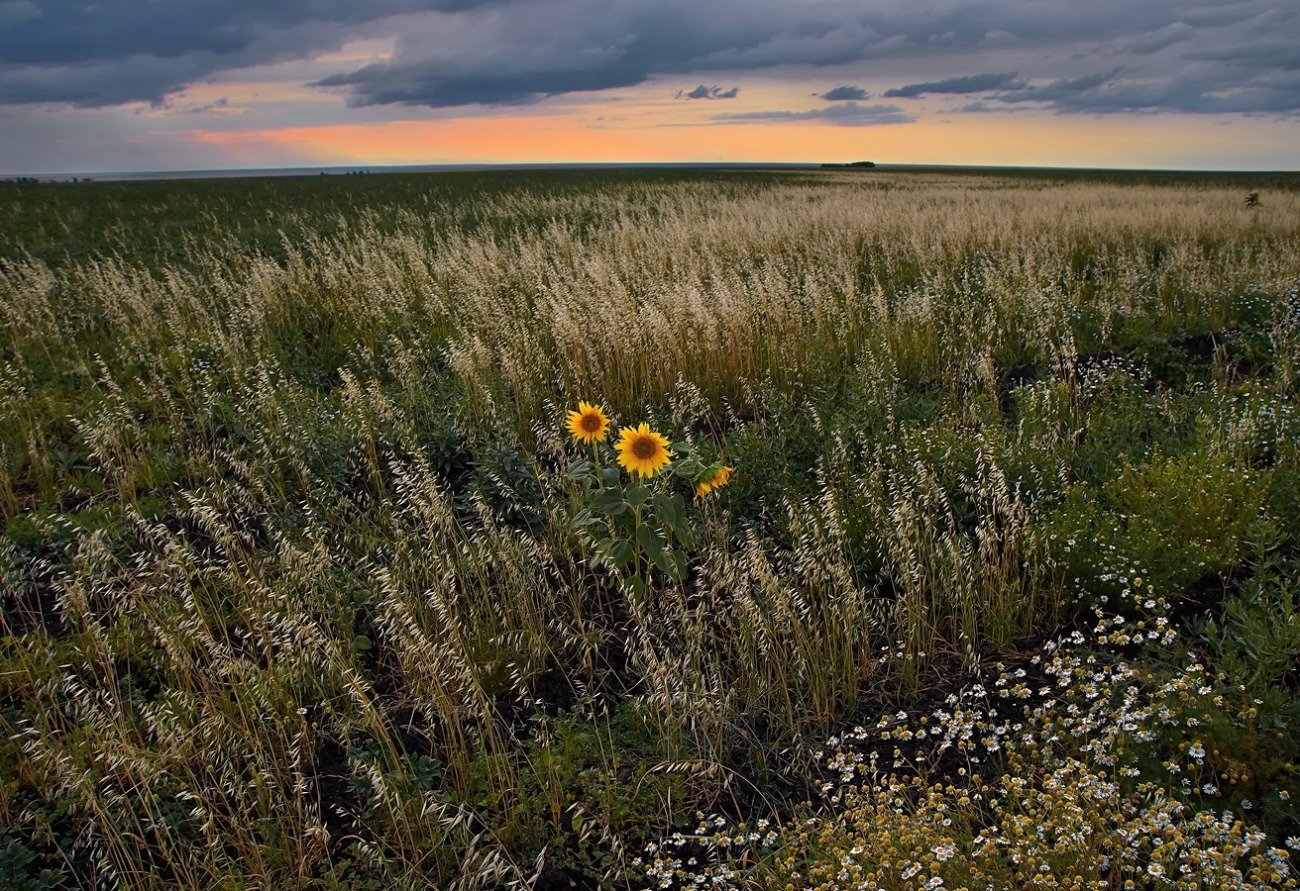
x=31, y=180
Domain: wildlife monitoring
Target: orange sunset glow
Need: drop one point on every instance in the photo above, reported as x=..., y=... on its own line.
x=564, y=138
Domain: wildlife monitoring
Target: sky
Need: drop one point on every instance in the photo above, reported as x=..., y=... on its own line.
x=149, y=85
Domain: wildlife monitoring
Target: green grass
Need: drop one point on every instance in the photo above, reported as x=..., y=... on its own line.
x=157, y=221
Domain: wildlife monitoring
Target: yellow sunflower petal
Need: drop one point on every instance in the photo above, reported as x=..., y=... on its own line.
x=643, y=451
x=588, y=423
x=719, y=479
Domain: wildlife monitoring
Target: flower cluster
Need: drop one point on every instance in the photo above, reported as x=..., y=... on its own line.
x=1037, y=775
x=639, y=523
x=643, y=451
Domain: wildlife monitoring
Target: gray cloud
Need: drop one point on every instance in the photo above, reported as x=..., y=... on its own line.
x=850, y=114
x=1154, y=41
x=219, y=107
x=627, y=42
x=846, y=94
x=1215, y=56
x=1192, y=91
x=1059, y=90
x=980, y=106
x=975, y=83
x=94, y=54
x=464, y=58
x=703, y=92
x=1278, y=53
x=14, y=12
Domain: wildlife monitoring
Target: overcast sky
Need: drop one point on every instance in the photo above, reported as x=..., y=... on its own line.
x=183, y=84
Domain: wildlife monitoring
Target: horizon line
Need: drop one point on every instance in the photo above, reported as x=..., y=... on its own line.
x=453, y=167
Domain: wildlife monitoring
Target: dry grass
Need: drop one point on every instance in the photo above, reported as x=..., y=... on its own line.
x=291, y=584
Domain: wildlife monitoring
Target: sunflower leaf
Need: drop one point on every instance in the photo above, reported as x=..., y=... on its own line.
x=618, y=551
x=609, y=502
x=578, y=470
x=691, y=469
x=678, y=570
x=682, y=528
x=636, y=585
x=636, y=495
x=585, y=518
x=666, y=511
x=653, y=546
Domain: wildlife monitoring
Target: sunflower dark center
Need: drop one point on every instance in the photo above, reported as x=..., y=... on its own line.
x=644, y=448
x=590, y=423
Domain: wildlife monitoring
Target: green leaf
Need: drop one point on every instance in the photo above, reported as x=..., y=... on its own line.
x=706, y=472
x=585, y=518
x=618, y=551
x=666, y=511
x=626, y=521
x=672, y=513
x=636, y=495
x=691, y=469
x=609, y=476
x=578, y=470
x=609, y=502
x=678, y=571
x=653, y=546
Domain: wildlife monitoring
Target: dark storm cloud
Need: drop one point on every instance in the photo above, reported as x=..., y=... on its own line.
x=17, y=11
x=849, y=114
x=846, y=94
x=975, y=83
x=108, y=53
x=595, y=44
x=1171, y=55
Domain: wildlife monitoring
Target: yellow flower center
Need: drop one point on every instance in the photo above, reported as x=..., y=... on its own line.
x=644, y=447
x=591, y=423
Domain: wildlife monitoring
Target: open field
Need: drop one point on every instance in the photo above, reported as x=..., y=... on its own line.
x=306, y=585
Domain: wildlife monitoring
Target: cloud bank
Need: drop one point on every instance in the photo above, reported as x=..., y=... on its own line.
x=850, y=114
x=1213, y=56
x=975, y=83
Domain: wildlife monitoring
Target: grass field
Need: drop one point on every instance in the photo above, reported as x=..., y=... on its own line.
x=307, y=585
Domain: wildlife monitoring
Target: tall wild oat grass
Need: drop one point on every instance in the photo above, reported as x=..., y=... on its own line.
x=292, y=597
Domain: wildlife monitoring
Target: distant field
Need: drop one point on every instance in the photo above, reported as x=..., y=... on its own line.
x=149, y=221
x=157, y=221
x=973, y=561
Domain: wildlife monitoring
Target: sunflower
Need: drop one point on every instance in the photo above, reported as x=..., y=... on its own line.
x=642, y=451
x=588, y=423
x=717, y=480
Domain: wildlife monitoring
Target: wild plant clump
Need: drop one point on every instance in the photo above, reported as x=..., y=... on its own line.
x=632, y=527
x=1081, y=767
